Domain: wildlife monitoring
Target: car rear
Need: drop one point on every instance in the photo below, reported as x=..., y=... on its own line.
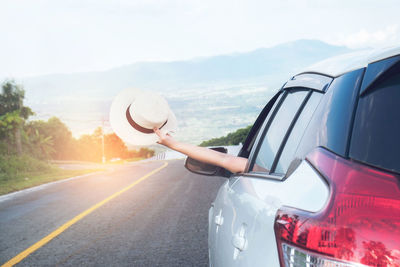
x=360, y=223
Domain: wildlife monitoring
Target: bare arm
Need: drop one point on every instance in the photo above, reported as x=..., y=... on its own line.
x=232, y=163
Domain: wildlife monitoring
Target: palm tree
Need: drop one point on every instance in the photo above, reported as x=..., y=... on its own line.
x=41, y=143
x=13, y=113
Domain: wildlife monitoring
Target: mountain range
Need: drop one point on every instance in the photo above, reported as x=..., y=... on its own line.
x=210, y=96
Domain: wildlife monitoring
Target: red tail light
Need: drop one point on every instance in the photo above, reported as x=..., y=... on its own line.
x=360, y=224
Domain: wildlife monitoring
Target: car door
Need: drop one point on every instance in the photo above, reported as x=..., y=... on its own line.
x=265, y=185
x=220, y=211
x=249, y=203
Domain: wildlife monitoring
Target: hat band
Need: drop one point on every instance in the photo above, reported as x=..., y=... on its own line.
x=137, y=126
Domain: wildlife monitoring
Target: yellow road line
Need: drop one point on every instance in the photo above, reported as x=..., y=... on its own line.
x=66, y=225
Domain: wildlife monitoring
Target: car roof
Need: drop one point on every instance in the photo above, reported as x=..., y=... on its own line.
x=338, y=65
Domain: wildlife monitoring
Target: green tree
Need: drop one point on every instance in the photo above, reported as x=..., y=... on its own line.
x=145, y=152
x=61, y=136
x=89, y=148
x=235, y=138
x=12, y=114
x=114, y=147
x=9, y=124
x=42, y=145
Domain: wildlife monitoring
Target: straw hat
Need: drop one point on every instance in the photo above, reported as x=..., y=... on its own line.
x=134, y=113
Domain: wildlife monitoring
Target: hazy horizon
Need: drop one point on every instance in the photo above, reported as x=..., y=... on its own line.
x=201, y=92
x=190, y=59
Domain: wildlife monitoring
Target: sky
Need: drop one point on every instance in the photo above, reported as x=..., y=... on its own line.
x=64, y=36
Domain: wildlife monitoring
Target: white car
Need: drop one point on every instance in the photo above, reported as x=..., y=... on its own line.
x=322, y=187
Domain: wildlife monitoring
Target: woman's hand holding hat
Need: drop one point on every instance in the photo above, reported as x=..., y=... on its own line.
x=164, y=137
x=144, y=118
x=134, y=113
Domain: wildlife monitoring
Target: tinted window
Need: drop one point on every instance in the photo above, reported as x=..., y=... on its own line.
x=331, y=124
x=277, y=129
x=376, y=133
x=297, y=133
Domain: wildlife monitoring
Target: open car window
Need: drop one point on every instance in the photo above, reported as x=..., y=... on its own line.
x=277, y=129
x=258, y=125
x=282, y=132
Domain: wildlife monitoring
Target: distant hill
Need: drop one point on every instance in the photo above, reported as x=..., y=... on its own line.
x=281, y=60
x=210, y=96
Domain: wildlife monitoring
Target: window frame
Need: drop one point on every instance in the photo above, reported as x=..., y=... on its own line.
x=263, y=131
x=265, y=128
x=306, y=81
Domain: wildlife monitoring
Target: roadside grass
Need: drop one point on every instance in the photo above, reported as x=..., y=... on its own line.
x=29, y=179
x=20, y=172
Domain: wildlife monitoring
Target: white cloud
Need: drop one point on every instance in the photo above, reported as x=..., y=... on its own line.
x=390, y=35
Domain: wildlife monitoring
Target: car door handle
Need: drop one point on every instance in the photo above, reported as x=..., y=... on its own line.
x=219, y=220
x=239, y=242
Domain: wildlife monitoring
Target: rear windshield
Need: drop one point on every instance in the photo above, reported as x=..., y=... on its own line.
x=376, y=133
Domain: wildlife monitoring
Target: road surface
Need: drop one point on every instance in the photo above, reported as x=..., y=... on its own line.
x=147, y=214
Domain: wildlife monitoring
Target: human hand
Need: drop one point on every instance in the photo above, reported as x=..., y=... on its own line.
x=164, y=137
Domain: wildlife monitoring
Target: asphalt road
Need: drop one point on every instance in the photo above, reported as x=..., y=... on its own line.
x=160, y=221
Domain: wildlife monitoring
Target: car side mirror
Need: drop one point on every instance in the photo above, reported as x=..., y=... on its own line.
x=202, y=168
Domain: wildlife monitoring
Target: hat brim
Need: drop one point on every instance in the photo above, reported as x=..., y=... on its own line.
x=124, y=130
